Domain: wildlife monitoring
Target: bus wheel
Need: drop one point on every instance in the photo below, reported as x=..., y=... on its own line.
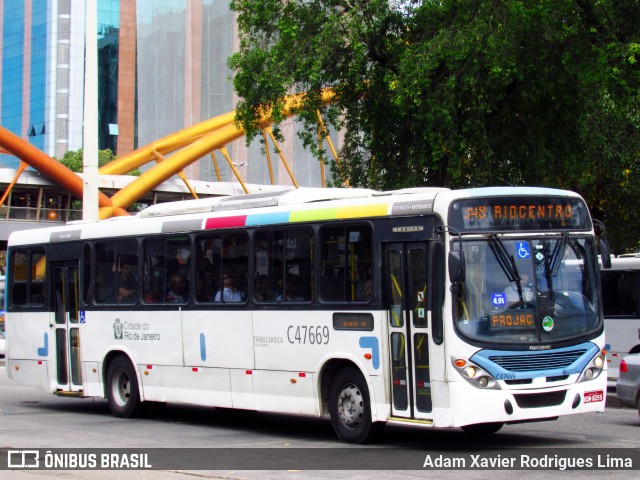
x=350, y=407
x=482, y=428
x=122, y=389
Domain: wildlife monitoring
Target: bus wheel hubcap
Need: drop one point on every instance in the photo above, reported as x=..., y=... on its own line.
x=121, y=388
x=350, y=406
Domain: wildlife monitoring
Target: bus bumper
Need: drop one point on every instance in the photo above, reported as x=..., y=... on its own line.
x=472, y=406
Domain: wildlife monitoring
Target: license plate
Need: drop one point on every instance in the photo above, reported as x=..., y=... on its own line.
x=597, y=396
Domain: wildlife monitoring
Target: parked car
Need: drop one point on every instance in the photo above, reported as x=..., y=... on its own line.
x=628, y=384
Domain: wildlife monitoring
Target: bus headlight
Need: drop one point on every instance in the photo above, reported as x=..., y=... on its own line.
x=593, y=370
x=475, y=375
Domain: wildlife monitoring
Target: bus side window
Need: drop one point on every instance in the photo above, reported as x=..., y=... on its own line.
x=19, y=267
x=628, y=293
x=28, y=278
x=117, y=272
x=345, y=262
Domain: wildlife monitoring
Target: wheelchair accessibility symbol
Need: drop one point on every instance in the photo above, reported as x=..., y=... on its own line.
x=523, y=249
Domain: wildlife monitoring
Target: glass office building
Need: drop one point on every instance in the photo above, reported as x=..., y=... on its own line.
x=162, y=66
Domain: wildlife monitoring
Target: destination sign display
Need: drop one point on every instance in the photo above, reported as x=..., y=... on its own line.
x=519, y=213
x=513, y=320
x=353, y=321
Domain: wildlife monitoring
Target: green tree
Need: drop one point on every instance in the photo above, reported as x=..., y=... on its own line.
x=72, y=159
x=459, y=93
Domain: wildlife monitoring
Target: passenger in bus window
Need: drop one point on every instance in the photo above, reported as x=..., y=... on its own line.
x=103, y=290
x=179, y=265
x=178, y=292
x=293, y=290
x=202, y=292
x=126, y=285
x=368, y=290
x=154, y=295
x=261, y=290
x=228, y=293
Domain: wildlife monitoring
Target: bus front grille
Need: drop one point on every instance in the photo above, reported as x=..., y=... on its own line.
x=540, y=361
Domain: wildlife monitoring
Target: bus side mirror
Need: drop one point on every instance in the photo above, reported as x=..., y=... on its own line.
x=456, y=267
x=605, y=254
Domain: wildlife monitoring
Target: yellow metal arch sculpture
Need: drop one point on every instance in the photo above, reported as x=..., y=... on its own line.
x=184, y=147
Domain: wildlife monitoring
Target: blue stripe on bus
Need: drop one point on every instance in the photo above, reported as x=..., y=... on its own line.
x=267, y=219
x=372, y=343
x=203, y=347
x=44, y=350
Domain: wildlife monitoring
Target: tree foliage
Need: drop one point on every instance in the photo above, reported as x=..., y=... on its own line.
x=72, y=159
x=459, y=93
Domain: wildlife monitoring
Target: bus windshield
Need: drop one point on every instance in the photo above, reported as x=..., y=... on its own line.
x=528, y=290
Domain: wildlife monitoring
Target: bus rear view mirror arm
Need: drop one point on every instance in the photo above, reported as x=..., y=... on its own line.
x=456, y=257
x=603, y=244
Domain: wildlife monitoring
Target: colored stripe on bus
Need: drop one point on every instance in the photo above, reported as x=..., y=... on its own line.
x=253, y=220
x=267, y=219
x=361, y=211
x=226, y=222
x=377, y=210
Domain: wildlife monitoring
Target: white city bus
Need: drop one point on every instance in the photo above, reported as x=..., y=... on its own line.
x=621, y=304
x=370, y=307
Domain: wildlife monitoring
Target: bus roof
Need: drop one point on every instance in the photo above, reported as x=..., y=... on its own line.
x=274, y=207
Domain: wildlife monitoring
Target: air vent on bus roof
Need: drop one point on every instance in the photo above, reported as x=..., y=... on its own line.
x=409, y=191
x=251, y=200
x=290, y=197
x=310, y=195
x=183, y=207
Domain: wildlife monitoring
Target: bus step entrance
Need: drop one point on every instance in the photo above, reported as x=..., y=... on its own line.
x=69, y=393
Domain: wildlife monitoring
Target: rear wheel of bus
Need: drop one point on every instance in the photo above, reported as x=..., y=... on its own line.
x=350, y=407
x=122, y=389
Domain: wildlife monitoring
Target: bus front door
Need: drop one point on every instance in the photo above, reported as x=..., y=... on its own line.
x=66, y=292
x=406, y=288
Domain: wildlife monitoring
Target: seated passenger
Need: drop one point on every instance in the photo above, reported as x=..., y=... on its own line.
x=261, y=289
x=368, y=290
x=293, y=290
x=178, y=292
x=202, y=293
x=126, y=285
x=154, y=295
x=228, y=293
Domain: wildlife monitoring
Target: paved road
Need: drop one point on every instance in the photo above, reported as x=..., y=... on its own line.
x=33, y=419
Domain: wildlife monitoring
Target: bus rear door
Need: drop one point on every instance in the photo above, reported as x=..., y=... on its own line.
x=66, y=291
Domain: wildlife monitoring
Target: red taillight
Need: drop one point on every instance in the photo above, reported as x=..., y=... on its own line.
x=623, y=367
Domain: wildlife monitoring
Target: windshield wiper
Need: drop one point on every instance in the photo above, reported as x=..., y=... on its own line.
x=507, y=263
x=558, y=254
x=552, y=263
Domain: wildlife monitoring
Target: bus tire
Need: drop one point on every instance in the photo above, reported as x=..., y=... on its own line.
x=122, y=389
x=350, y=407
x=483, y=428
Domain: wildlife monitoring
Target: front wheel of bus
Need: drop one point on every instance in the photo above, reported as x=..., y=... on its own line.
x=350, y=408
x=122, y=389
